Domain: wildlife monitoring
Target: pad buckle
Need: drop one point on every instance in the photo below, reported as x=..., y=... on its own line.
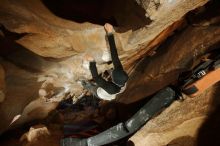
x=199, y=74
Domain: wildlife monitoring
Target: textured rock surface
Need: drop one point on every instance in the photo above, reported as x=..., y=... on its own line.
x=51, y=36
x=41, y=135
x=44, y=65
x=146, y=79
x=180, y=123
x=35, y=84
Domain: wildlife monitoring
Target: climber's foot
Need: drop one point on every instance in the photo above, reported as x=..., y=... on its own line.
x=108, y=28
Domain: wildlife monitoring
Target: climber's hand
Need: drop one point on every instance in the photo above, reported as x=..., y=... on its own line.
x=108, y=28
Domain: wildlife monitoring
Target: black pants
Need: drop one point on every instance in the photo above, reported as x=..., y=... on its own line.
x=118, y=73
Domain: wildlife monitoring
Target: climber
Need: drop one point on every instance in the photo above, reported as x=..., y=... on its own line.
x=105, y=89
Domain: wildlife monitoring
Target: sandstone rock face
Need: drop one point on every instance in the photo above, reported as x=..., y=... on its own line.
x=41, y=135
x=181, y=123
x=47, y=61
x=51, y=36
x=179, y=57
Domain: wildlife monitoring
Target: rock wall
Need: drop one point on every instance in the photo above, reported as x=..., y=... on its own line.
x=38, y=79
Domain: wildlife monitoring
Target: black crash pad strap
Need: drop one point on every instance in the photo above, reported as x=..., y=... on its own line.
x=157, y=103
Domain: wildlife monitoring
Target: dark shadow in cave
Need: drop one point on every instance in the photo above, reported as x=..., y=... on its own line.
x=208, y=134
x=200, y=14
x=182, y=141
x=126, y=14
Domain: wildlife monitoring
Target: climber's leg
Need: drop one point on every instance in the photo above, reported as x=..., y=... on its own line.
x=119, y=76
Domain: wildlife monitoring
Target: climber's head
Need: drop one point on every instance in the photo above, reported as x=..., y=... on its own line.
x=119, y=77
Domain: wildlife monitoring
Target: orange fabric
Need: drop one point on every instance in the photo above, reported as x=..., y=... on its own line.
x=205, y=82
